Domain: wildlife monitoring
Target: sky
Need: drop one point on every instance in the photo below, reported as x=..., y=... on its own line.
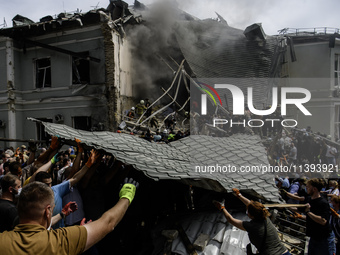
x=273, y=14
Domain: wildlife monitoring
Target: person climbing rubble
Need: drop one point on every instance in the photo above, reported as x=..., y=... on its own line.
x=140, y=108
x=131, y=113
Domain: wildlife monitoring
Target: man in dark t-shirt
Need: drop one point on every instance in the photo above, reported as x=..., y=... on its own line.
x=8, y=215
x=317, y=219
x=11, y=186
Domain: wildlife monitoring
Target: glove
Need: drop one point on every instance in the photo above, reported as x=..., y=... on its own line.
x=70, y=207
x=17, y=152
x=219, y=205
x=129, y=189
x=80, y=147
x=55, y=159
x=236, y=192
x=334, y=213
x=93, y=157
x=82, y=223
x=296, y=215
x=54, y=143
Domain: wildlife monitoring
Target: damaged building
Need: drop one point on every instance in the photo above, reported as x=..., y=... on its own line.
x=313, y=63
x=76, y=69
x=76, y=75
x=87, y=70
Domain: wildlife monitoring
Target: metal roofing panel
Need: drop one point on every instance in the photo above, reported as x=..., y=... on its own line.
x=177, y=160
x=223, y=237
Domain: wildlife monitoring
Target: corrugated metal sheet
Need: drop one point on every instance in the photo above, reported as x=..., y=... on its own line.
x=222, y=237
x=178, y=159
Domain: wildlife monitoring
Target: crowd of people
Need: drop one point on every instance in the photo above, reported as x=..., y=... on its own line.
x=321, y=212
x=45, y=190
x=303, y=147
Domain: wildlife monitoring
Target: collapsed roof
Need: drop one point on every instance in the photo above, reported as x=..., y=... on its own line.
x=179, y=160
x=217, y=52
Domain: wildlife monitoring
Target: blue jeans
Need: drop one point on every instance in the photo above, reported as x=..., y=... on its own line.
x=331, y=243
x=318, y=246
x=287, y=253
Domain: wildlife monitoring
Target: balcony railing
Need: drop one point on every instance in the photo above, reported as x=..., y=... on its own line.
x=309, y=31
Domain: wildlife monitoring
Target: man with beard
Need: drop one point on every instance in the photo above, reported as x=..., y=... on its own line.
x=11, y=186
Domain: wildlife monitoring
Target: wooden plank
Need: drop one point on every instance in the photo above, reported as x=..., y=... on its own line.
x=283, y=205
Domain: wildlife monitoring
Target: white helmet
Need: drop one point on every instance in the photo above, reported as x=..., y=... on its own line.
x=142, y=101
x=132, y=108
x=165, y=131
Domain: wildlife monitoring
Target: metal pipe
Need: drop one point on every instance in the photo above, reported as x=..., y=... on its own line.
x=178, y=84
x=155, y=113
x=170, y=97
x=301, y=220
x=293, y=237
x=297, y=247
x=290, y=222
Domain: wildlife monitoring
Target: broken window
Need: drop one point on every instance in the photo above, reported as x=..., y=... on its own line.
x=80, y=70
x=43, y=72
x=337, y=70
x=82, y=123
x=41, y=133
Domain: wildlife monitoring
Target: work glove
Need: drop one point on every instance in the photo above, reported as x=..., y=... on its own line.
x=296, y=215
x=129, y=189
x=236, y=192
x=54, y=143
x=82, y=223
x=55, y=159
x=17, y=152
x=80, y=147
x=93, y=157
x=219, y=205
x=69, y=208
x=334, y=213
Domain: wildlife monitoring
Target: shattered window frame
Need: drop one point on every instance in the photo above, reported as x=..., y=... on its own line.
x=80, y=70
x=42, y=135
x=82, y=122
x=43, y=74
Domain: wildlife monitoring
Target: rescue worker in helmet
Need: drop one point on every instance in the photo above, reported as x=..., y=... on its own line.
x=131, y=113
x=140, y=108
